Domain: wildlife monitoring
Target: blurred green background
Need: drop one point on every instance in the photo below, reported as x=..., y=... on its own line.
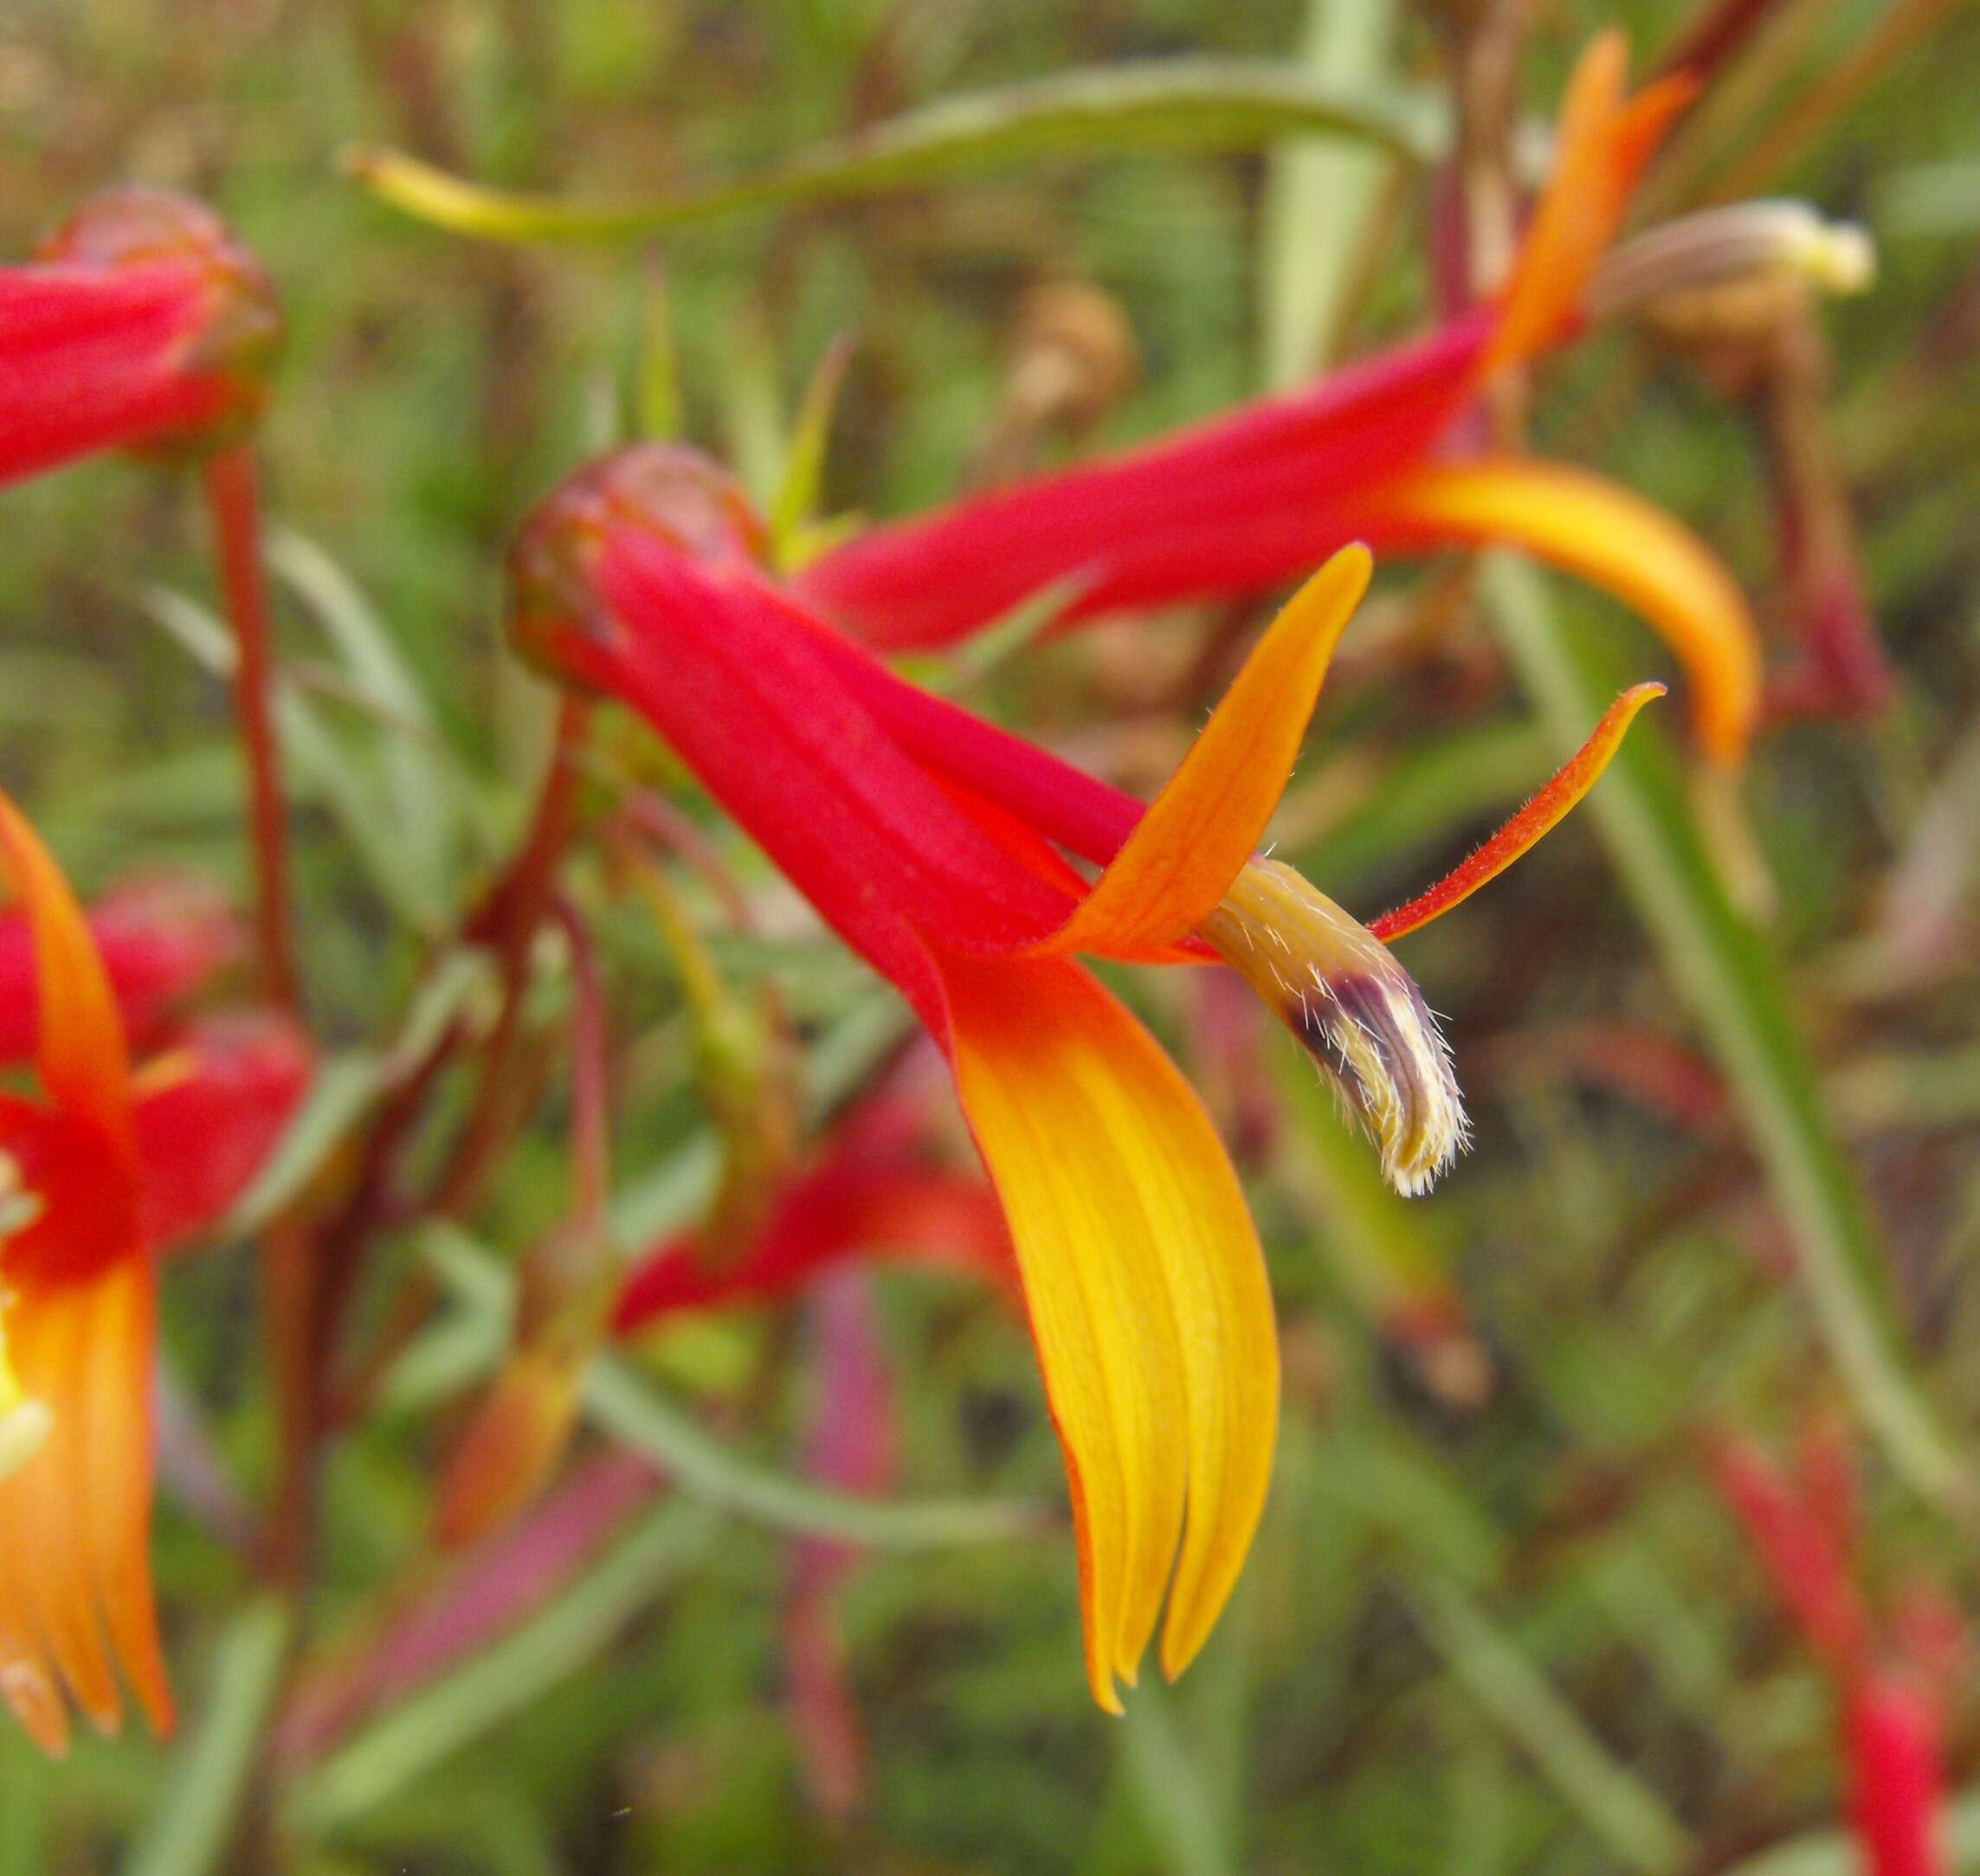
x=1497, y=1620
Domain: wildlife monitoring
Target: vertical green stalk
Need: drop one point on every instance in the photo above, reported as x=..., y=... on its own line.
x=1319, y=194
x=1727, y=973
x=209, y=1784
x=1610, y=1799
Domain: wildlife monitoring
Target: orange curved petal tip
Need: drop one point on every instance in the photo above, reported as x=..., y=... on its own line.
x=80, y=1049
x=1531, y=824
x=1601, y=532
x=1605, y=141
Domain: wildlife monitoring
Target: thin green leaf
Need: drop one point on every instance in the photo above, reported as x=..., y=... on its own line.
x=796, y=499
x=1610, y=1799
x=620, y=1404
x=321, y=767
x=194, y=1829
x=1725, y=970
x=1182, y=103
x=1168, y=1780
x=1318, y=199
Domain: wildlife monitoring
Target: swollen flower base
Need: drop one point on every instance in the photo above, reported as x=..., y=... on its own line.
x=933, y=844
x=142, y=324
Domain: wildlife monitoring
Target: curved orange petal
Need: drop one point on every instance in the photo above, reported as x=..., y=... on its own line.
x=1615, y=540
x=47, y=1332
x=1600, y=148
x=1204, y=826
x=73, y=1518
x=120, y=1465
x=81, y=1051
x=1539, y=818
x=1146, y=1290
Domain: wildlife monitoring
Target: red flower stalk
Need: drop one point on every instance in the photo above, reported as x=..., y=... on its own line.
x=1892, y=1687
x=160, y=939
x=1255, y=498
x=925, y=839
x=142, y=324
x=92, y=1176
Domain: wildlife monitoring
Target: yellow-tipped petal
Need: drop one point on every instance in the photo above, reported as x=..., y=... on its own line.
x=1533, y=822
x=1201, y=829
x=1614, y=539
x=80, y=1051
x=1146, y=1290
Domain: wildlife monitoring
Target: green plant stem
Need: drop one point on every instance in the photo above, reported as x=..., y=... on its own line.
x=1168, y=1778
x=210, y=1786
x=1724, y=969
x=1611, y=1800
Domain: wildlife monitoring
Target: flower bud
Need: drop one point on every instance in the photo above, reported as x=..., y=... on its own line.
x=236, y=341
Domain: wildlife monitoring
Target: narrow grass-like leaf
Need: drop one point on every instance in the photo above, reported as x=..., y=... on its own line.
x=620, y=1404
x=1615, y=1805
x=322, y=766
x=1168, y=1780
x=193, y=1831
x=1319, y=197
x=1182, y=103
x=1724, y=969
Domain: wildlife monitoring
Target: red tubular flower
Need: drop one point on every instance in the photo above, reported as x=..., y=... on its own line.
x=1253, y=499
x=925, y=839
x=160, y=939
x=1892, y=1687
x=77, y=1345
x=142, y=323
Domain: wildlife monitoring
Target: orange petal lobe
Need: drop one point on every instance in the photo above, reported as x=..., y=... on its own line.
x=1200, y=830
x=75, y=1593
x=1146, y=1290
x=1526, y=829
x=1615, y=540
x=1602, y=147
x=81, y=1054
x=120, y=1468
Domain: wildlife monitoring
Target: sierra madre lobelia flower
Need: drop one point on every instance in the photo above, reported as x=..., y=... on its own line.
x=104, y=1169
x=931, y=842
x=1252, y=499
